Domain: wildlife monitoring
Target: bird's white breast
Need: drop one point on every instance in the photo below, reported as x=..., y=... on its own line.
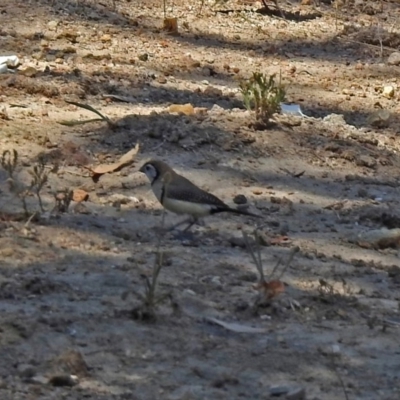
x=197, y=210
x=186, y=207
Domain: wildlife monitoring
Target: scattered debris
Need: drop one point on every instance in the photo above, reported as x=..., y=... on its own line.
x=63, y=272
x=90, y=108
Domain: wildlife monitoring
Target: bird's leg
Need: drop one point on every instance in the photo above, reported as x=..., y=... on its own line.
x=192, y=222
x=185, y=221
x=276, y=5
x=185, y=234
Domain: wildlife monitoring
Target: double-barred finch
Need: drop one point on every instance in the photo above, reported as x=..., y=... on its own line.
x=181, y=196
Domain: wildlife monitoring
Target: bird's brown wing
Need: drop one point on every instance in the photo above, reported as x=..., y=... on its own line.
x=183, y=189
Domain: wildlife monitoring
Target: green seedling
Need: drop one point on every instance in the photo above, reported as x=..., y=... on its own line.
x=262, y=95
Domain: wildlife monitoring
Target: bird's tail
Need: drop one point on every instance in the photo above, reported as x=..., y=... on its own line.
x=235, y=211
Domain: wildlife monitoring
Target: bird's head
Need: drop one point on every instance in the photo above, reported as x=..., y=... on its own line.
x=154, y=169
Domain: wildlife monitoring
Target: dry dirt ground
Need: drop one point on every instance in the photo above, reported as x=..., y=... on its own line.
x=69, y=323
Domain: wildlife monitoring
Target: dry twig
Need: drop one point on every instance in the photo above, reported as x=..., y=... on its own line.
x=150, y=299
x=269, y=287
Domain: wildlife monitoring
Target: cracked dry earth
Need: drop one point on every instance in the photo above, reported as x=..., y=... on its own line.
x=68, y=280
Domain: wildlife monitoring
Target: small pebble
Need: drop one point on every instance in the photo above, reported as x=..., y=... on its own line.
x=278, y=390
x=63, y=380
x=296, y=394
x=240, y=199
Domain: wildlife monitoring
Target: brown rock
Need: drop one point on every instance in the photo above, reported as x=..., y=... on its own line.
x=212, y=91
x=80, y=208
x=29, y=71
x=366, y=161
x=394, y=58
x=71, y=362
x=296, y=394
x=63, y=380
x=240, y=199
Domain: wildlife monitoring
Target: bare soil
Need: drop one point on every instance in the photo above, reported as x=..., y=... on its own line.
x=69, y=326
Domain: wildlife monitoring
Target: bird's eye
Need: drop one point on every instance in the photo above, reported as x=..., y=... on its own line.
x=150, y=171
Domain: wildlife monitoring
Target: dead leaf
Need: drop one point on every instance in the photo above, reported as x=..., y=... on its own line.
x=186, y=109
x=235, y=327
x=271, y=289
x=279, y=240
x=171, y=24
x=80, y=195
x=337, y=205
x=126, y=160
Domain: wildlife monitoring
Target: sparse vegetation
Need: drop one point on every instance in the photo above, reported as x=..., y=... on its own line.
x=262, y=95
x=325, y=181
x=269, y=287
x=9, y=162
x=150, y=299
x=39, y=179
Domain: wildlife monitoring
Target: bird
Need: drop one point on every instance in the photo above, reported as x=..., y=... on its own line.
x=179, y=195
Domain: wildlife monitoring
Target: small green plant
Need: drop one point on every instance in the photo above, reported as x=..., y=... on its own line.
x=262, y=95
